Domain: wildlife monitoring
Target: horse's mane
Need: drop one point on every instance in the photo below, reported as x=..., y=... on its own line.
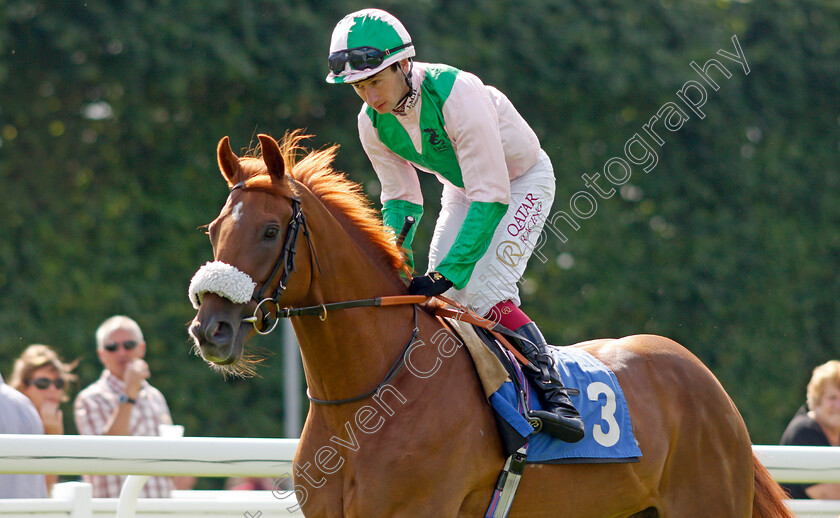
x=340, y=194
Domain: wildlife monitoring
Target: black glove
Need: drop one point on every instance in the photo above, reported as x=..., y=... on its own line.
x=433, y=283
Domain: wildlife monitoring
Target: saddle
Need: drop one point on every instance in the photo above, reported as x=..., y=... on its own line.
x=592, y=387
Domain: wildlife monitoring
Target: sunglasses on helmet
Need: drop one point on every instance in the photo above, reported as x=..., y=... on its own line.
x=127, y=345
x=360, y=58
x=44, y=383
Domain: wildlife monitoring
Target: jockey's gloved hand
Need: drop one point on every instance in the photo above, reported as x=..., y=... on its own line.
x=433, y=283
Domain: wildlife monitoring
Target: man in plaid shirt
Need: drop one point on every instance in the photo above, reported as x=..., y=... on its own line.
x=121, y=401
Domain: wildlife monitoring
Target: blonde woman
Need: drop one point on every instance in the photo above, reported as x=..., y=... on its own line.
x=817, y=424
x=42, y=377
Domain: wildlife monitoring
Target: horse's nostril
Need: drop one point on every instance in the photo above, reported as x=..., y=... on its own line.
x=222, y=330
x=219, y=333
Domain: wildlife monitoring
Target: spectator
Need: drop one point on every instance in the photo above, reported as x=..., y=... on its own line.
x=18, y=415
x=42, y=377
x=817, y=424
x=250, y=484
x=121, y=401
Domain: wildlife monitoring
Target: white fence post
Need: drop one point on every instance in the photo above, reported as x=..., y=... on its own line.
x=80, y=495
x=129, y=493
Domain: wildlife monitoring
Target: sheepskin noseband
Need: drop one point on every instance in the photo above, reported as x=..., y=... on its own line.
x=222, y=279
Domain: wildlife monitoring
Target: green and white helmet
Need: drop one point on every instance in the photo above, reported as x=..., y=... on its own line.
x=365, y=43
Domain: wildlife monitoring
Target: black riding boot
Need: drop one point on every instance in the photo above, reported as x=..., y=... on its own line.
x=559, y=417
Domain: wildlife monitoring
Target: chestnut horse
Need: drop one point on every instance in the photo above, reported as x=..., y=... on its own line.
x=427, y=445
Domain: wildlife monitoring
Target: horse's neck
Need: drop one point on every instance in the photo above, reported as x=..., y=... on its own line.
x=351, y=352
x=345, y=354
x=348, y=266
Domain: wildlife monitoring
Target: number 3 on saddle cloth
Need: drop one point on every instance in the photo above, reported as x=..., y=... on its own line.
x=600, y=401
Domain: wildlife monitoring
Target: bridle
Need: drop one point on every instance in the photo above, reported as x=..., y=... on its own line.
x=261, y=319
x=286, y=263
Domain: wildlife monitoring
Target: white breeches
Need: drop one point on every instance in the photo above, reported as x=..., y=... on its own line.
x=497, y=274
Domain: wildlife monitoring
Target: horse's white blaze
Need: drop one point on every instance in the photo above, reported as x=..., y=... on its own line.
x=237, y=212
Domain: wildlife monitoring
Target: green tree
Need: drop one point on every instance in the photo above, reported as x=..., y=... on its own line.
x=110, y=113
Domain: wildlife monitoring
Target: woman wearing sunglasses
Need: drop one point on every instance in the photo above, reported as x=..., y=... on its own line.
x=42, y=377
x=498, y=184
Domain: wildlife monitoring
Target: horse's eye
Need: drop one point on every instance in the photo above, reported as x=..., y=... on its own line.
x=270, y=233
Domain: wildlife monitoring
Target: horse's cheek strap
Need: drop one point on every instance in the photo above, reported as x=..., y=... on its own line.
x=222, y=279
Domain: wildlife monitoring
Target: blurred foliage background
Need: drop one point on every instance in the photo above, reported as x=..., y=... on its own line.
x=110, y=113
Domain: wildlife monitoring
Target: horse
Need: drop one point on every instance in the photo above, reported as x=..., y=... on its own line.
x=300, y=239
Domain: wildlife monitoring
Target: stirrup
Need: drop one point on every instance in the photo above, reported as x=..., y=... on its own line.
x=556, y=428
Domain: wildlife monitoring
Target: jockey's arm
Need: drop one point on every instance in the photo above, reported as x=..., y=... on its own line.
x=401, y=195
x=473, y=126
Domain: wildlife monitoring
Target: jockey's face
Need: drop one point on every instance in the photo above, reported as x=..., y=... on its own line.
x=383, y=91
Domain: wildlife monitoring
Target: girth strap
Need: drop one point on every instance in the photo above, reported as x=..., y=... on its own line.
x=507, y=484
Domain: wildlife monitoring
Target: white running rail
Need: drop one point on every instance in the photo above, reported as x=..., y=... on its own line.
x=228, y=457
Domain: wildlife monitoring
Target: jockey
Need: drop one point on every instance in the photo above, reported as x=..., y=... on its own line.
x=498, y=184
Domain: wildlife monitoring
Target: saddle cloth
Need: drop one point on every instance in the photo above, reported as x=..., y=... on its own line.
x=600, y=401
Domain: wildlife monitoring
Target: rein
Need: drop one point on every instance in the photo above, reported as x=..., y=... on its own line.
x=460, y=313
x=395, y=368
x=321, y=309
x=321, y=312
x=287, y=262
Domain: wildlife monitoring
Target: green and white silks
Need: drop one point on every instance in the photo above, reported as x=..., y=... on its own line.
x=438, y=155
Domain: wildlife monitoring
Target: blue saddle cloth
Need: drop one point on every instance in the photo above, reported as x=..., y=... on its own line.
x=601, y=403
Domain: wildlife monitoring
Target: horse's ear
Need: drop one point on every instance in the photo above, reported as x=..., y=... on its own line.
x=272, y=156
x=228, y=161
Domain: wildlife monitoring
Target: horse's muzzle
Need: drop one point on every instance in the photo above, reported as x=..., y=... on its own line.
x=217, y=330
x=214, y=341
